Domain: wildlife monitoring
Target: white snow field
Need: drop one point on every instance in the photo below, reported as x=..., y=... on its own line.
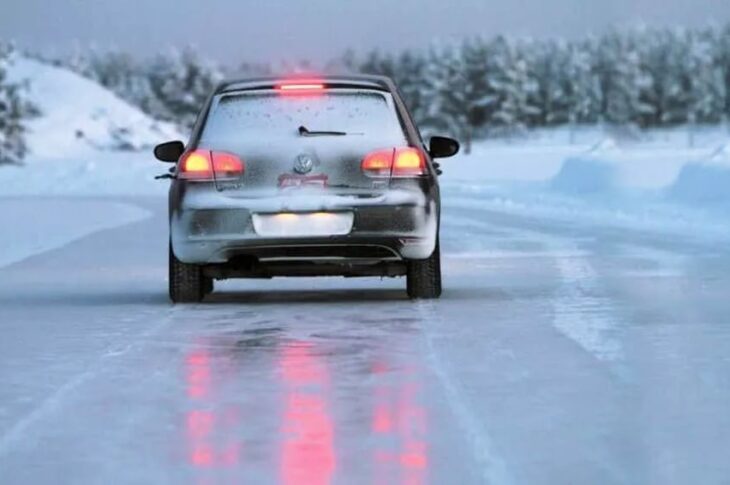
x=87, y=141
x=79, y=116
x=33, y=226
x=582, y=335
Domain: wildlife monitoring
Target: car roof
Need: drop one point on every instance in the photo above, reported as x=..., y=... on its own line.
x=380, y=83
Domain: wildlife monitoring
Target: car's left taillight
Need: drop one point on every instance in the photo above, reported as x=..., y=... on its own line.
x=210, y=165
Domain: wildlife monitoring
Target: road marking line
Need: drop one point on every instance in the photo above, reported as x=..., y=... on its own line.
x=582, y=310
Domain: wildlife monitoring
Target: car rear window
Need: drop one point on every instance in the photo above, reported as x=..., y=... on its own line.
x=271, y=114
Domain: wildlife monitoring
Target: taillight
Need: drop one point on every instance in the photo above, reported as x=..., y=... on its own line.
x=210, y=165
x=408, y=162
x=378, y=164
x=395, y=162
x=301, y=87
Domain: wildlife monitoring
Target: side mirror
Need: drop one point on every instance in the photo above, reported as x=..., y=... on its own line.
x=170, y=151
x=442, y=147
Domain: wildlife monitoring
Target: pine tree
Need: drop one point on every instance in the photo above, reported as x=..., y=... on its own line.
x=480, y=98
x=707, y=89
x=15, y=110
x=511, y=85
x=581, y=85
x=478, y=87
x=723, y=56
x=180, y=83
x=664, y=54
x=622, y=79
x=548, y=62
x=450, y=97
x=407, y=70
x=409, y=77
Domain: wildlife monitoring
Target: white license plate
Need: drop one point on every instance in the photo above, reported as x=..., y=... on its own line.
x=290, y=224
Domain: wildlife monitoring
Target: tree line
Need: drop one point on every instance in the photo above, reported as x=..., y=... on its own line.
x=478, y=87
x=643, y=78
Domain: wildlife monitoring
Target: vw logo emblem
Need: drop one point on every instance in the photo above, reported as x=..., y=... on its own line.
x=303, y=164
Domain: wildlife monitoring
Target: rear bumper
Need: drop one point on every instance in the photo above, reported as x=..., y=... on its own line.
x=397, y=225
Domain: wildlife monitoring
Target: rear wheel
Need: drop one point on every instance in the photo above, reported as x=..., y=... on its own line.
x=208, y=285
x=187, y=282
x=424, y=276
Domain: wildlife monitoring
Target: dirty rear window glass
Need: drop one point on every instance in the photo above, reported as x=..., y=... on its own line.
x=269, y=114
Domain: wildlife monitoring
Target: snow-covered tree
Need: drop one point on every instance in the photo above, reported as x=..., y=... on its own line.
x=409, y=77
x=582, y=88
x=15, y=110
x=664, y=54
x=407, y=70
x=707, y=90
x=450, y=98
x=723, y=57
x=623, y=80
x=180, y=82
x=480, y=86
x=511, y=86
x=548, y=63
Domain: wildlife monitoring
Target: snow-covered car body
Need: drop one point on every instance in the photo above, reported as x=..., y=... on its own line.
x=304, y=178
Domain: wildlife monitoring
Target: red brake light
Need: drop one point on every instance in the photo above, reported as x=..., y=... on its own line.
x=226, y=163
x=408, y=162
x=395, y=162
x=209, y=165
x=301, y=87
x=379, y=163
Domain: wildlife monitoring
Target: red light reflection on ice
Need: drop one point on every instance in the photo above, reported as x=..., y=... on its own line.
x=307, y=453
x=382, y=419
x=201, y=424
x=201, y=455
x=401, y=421
x=198, y=374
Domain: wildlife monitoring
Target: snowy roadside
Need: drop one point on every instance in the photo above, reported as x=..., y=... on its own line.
x=100, y=146
x=658, y=184
x=658, y=189
x=35, y=225
x=100, y=173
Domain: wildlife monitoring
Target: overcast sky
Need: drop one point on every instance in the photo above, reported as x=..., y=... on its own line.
x=231, y=31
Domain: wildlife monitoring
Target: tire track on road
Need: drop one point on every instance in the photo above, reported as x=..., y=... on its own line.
x=491, y=466
x=583, y=311
x=18, y=431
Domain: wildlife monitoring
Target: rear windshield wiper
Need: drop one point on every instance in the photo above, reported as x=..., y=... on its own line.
x=304, y=131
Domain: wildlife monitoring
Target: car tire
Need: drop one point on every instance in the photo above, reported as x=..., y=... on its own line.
x=187, y=282
x=423, y=278
x=208, y=285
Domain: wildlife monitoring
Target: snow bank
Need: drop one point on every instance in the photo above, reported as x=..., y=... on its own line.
x=704, y=183
x=608, y=169
x=594, y=173
x=78, y=116
x=33, y=226
x=499, y=161
x=676, y=175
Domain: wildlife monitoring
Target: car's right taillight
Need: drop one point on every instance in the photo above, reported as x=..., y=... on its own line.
x=210, y=165
x=395, y=162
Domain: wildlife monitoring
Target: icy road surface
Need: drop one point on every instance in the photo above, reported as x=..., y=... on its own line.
x=559, y=353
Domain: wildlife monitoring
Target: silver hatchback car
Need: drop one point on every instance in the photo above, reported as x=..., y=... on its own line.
x=304, y=177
